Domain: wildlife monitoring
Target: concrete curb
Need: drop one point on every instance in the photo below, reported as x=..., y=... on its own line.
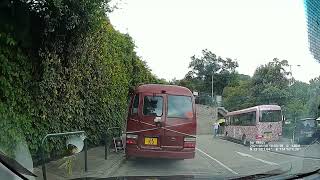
x=98, y=167
x=232, y=140
x=115, y=166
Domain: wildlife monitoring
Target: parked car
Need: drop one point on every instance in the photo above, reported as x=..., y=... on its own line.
x=306, y=130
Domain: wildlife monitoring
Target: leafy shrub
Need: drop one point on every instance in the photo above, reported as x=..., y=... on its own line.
x=74, y=73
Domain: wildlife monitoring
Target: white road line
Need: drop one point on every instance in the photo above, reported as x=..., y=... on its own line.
x=258, y=159
x=229, y=169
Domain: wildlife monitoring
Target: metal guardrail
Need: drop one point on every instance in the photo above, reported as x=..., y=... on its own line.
x=62, y=134
x=106, y=142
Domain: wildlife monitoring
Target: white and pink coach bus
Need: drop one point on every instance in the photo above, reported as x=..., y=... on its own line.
x=259, y=123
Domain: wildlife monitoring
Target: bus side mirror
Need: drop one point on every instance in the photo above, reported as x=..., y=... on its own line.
x=283, y=118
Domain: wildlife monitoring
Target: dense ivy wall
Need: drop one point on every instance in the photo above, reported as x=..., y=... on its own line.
x=63, y=67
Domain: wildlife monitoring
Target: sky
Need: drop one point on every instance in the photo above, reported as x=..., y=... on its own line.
x=168, y=32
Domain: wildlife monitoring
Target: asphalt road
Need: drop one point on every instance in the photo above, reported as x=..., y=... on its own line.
x=217, y=157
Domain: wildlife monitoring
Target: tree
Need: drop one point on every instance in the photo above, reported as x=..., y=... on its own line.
x=237, y=96
x=298, y=97
x=270, y=83
x=313, y=103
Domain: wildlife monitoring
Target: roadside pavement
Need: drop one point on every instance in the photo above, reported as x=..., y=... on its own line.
x=309, y=150
x=287, y=147
x=97, y=165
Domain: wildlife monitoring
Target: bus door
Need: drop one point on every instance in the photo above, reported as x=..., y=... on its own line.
x=151, y=121
x=180, y=124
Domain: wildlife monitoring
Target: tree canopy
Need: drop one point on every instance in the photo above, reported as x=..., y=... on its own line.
x=206, y=67
x=270, y=85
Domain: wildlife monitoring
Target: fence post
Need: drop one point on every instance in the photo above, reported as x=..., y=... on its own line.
x=85, y=155
x=106, y=146
x=44, y=172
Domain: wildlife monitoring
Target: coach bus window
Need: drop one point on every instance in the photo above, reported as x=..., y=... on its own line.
x=228, y=120
x=152, y=105
x=135, y=104
x=235, y=120
x=231, y=120
x=270, y=116
x=248, y=119
x=179, y=107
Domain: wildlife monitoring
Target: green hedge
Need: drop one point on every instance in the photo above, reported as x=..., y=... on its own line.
x=74, y=73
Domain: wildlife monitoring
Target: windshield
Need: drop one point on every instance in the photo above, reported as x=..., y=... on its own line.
x=152, y=105
x=271, y=116
x=179, y=107
x=153, y=88
x=308, y=123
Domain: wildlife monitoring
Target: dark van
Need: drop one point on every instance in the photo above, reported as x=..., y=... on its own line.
x=306, y=130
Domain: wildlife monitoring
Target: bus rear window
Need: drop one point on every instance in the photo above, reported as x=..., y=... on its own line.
x=270, y=116
x=152, y=106
x=179, y=107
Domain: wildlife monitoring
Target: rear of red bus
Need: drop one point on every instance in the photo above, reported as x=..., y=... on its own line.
x=161, y=123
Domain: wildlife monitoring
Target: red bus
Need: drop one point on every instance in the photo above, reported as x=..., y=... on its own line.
x=259, y=123
x=161, y=122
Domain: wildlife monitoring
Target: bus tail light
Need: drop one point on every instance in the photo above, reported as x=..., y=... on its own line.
x=131, y=139
x=259, y=136
x=189, y=142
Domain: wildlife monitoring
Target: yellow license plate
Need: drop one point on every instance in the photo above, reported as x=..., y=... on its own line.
x=151, y=141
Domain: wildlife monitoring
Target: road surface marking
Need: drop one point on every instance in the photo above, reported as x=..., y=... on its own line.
x=258, y=159
x=295, y=156
x=229, y=169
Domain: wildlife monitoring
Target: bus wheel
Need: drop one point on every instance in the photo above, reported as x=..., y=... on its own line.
x=244, y=140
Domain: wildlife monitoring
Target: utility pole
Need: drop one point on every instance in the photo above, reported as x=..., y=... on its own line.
x=291, y=76
x=213, y=72
x=212, y=87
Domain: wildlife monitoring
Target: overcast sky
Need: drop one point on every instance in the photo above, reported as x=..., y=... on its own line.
x=168, y=32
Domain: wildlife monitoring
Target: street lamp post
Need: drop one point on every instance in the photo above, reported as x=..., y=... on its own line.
x=212, y=87
x=291, y=78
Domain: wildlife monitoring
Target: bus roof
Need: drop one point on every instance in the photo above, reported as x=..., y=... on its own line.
x=161, y=88
x=260, y=107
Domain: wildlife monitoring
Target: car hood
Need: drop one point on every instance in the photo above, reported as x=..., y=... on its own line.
x=176, y=177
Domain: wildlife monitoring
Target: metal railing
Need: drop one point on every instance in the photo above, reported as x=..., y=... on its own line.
x=106, y=142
